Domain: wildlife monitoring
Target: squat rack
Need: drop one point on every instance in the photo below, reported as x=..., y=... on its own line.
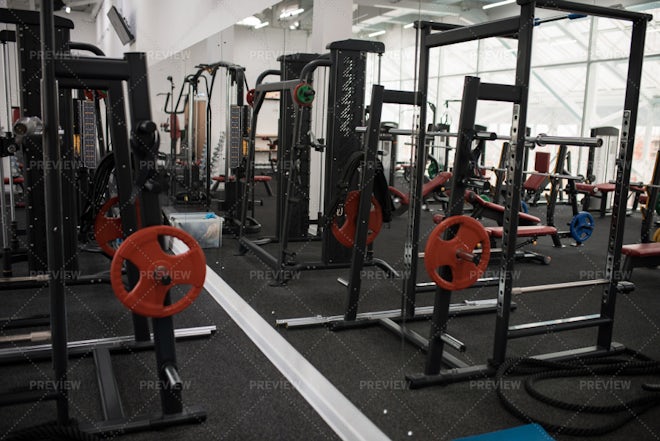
x=522, y=26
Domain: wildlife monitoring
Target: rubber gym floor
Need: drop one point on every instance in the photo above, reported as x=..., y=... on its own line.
x=248, y=399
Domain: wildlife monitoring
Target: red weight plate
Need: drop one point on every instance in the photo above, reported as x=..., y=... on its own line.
x=345, y=234
x=144, y=251
x=440, y=253
x=107, y=229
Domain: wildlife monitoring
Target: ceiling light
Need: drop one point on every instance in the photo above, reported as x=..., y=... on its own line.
x=261, y=25
x=67, y=9
x=249, y=21
x=376, y=34
x=495, y=5
x=409, y=25
x=291, y=13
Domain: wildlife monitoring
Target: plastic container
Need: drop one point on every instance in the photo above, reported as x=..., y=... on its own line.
x=206, y=228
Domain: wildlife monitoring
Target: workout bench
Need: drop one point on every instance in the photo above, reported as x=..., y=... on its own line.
x=259, y=178
x=490, y=210
x=531, y=233
x=596, y=191
x=638, y=255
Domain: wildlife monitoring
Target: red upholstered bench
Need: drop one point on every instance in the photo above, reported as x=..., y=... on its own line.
x=640, y=254
x=17, y=180
x=494, y=211
x=641, y=249
x=525, y=231
x=434, y=184
x=595, y=190
x=535, y=182
x=259, y=178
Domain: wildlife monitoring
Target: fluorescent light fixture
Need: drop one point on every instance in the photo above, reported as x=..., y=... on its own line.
x=263, y=24
x=495, y=5
x=408, y=26
x=376, y=34
x=249, y=21
x=291, y=13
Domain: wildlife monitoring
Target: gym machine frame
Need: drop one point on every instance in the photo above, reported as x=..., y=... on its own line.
x=342, y=141
x=387, y=318
x=518, y=94
x=64, y=72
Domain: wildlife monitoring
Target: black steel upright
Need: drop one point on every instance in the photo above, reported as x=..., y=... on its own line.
x=623, y=169
x=29, y=47
x=54, y=222
x=291, y=67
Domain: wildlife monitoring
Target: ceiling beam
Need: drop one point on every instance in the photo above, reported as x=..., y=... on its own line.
x=425, y=8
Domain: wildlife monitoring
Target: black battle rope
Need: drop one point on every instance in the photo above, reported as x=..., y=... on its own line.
x=51, y=432
x=540, y=370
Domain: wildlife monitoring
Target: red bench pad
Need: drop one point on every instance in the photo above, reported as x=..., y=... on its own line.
x=526, y=231
x=16, y=180
x=595, y=188
x=400, y=195
x=257, y=178
x=473, y=198
x=651, y=249
x=534, y=182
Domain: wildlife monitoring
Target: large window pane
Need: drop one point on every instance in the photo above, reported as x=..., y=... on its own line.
x=561, y=42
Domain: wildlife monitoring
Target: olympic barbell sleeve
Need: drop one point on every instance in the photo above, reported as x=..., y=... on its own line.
x=469, y=257
x=558, y=286
x=567, y=140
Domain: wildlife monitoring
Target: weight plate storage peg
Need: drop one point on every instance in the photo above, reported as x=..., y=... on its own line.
x=582, y=226
x=107, y=229
x=159, y=271
x=458, y=253
x=303, y=94
x=345, y=234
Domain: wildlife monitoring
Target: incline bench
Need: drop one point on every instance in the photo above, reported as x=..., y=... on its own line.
x=640, y=254
x=490, y=210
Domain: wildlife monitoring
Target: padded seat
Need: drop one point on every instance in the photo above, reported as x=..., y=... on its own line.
x=428, y=188
x=222, y=178
x=651, y=249
x=639, y=255
x=258, y=178
x=525, y=231
x=595, y=188
x=523, y=218
x=534, y=182
x=17, y=180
